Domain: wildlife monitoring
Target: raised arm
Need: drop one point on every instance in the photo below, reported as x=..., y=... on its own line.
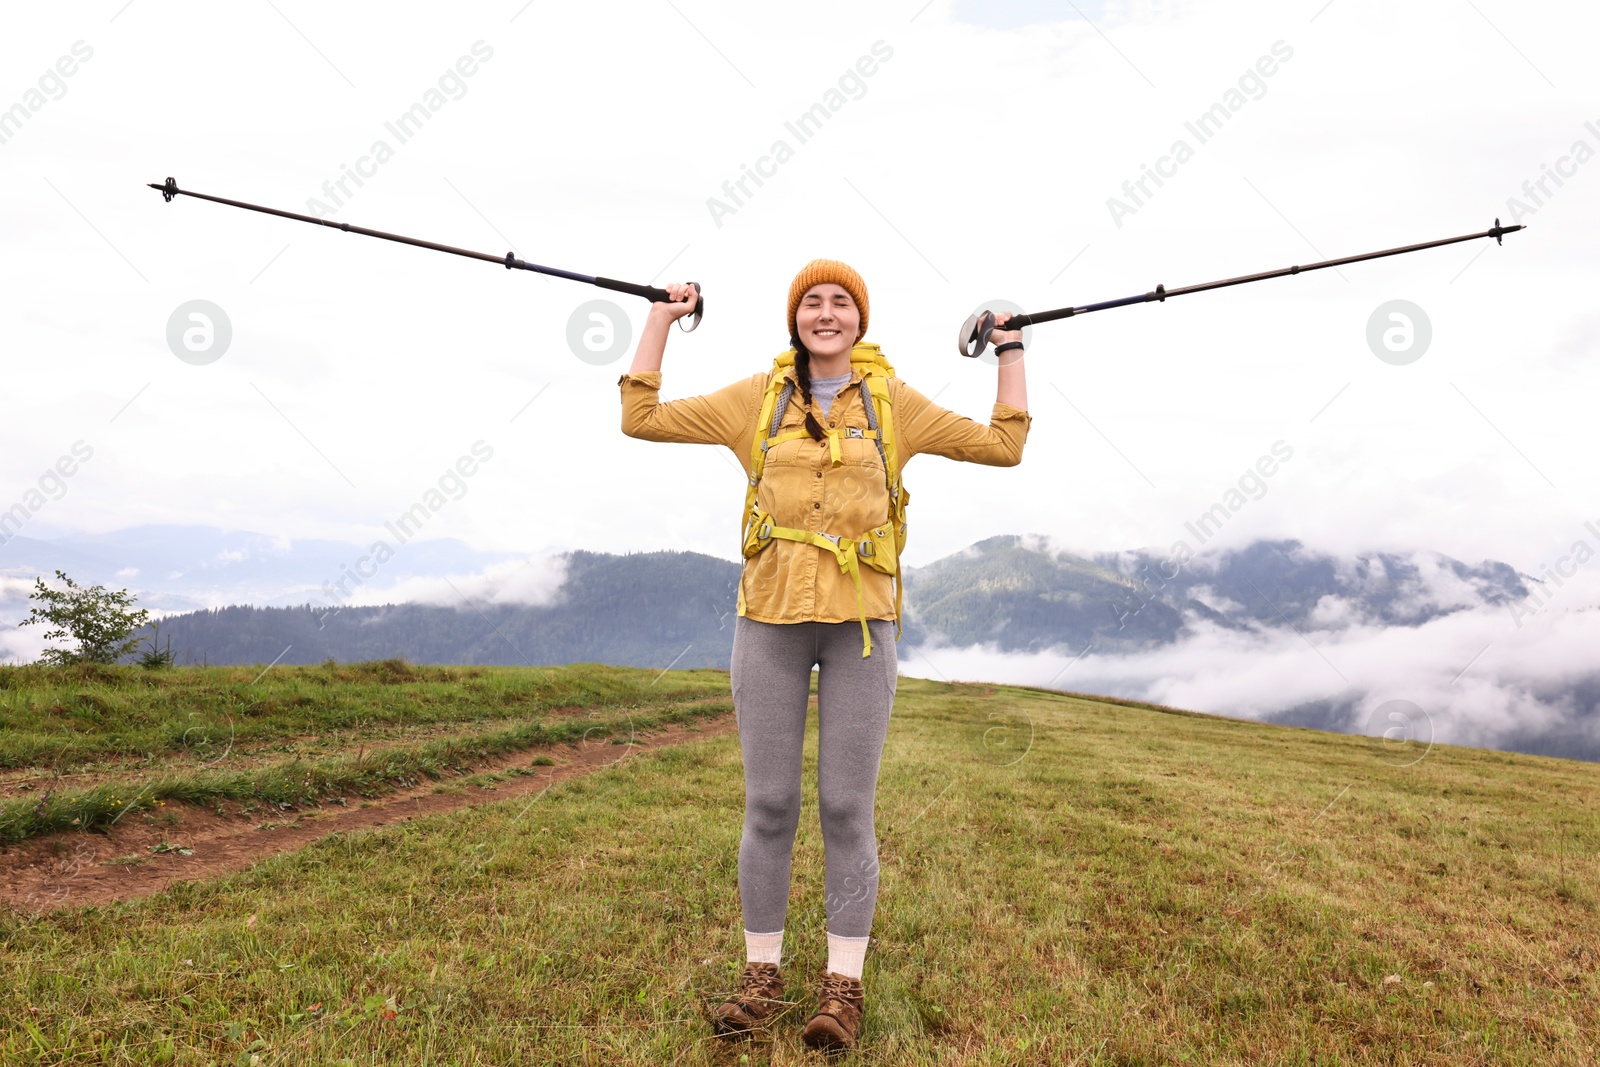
x=653, y=341
x=1012, y=387
x=725, y=417
x=924, y=426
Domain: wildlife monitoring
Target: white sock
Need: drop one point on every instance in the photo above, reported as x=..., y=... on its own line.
x=847, y=955
x=763, y=948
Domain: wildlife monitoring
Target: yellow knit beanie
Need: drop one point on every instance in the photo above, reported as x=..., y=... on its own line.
x=819, y=271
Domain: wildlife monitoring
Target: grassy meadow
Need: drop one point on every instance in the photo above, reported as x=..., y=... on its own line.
x=1065, y=880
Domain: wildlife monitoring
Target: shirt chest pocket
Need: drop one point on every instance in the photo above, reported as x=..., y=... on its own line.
x=797, y=453
x=860, y=451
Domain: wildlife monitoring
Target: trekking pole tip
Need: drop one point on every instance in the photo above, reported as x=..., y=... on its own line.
x=168, y=190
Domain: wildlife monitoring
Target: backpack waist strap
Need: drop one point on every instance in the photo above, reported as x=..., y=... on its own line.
x=875, y=548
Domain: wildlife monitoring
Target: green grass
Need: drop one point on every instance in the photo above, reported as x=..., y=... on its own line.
x=1064, y=881
x=72, y=718
x=182, y=723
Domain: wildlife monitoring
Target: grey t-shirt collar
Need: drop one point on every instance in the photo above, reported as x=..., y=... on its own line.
x=823, y=390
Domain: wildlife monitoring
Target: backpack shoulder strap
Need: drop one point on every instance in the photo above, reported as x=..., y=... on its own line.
x=769, y=404
x=773, y=404
x=880, y=414
x=880, y=417
x=784, y=395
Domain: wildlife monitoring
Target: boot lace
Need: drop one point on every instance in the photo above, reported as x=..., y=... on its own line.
x=760, y=981
x=838, y=992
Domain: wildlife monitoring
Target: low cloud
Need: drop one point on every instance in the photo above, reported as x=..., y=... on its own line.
x=17, y=645
x=1479, y=678
x=533, y=582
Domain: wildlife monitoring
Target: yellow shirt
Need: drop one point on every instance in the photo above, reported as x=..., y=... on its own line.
x=792, y=581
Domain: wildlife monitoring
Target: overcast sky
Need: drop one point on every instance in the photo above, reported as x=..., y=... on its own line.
x=971, y=152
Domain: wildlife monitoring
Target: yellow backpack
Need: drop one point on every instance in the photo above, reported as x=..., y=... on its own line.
x=878, y=547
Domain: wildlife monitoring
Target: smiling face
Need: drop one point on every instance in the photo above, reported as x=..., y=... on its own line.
x=828, y=321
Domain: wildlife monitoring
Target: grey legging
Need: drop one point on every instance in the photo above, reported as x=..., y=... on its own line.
x=771, y=674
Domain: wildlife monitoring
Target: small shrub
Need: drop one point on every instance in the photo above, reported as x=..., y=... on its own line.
x=155, y=657
x=96, y=618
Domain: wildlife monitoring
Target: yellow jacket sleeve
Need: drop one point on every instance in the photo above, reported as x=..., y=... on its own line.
x=923, y=426
x=725, y=417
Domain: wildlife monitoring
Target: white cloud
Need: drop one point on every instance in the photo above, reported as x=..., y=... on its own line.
x=15, y=587
x=1214, y=600
x=533, y=582
x=1477, y=676
x=18, y=647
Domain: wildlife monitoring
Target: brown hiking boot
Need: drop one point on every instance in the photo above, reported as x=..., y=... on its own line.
x=760, y=995
x=836, y=1022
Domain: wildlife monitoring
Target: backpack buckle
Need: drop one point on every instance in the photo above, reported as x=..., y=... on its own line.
x=853, y=431
x=764, y=531
x=864, y=549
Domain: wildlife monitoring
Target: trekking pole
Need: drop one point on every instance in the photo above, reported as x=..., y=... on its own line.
x=509, y=260
x=975, y=331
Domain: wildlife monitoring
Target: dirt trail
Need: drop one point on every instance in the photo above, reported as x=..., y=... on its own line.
x=72, y=870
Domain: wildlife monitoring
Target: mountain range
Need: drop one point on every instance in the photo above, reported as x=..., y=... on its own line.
x=1271, y=630
x=1013, y=593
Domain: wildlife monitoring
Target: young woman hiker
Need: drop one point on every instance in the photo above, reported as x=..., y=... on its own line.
x=822, y=438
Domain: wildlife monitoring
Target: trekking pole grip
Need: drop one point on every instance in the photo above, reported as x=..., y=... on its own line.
x=660, y=296
x=974, y=337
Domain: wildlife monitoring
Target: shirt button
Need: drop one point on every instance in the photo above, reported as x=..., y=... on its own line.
x=819, y=474
x=816, y=505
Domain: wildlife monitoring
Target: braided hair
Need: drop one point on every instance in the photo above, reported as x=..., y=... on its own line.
x=802, y=373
